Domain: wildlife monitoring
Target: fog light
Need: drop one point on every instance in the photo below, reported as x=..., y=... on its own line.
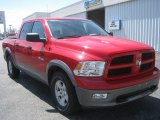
x=99, y=96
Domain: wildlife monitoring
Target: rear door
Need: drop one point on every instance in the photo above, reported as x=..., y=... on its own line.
x=21, y=51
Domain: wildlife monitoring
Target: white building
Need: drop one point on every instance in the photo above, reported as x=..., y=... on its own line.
x=37, y=15
x=133, y=19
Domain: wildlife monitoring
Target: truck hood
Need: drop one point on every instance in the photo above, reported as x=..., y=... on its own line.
x=100, y=47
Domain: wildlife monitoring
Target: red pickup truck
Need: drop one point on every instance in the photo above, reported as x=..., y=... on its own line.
x=81, y=63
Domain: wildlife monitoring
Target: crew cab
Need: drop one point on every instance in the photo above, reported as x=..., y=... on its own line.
x=83, y=65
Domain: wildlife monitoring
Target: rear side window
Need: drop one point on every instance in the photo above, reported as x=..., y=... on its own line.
x=38, y=28
x=27, y=28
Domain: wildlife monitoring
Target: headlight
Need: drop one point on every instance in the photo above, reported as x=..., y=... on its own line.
x=89, y=68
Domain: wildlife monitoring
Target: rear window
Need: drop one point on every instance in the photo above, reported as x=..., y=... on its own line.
x=27, y=28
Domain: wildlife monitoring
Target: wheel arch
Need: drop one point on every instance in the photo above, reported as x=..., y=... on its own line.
x=58, y=65
x=7, y=53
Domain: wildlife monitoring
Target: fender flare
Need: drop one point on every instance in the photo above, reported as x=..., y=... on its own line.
x=64, y=67
x=7, y=50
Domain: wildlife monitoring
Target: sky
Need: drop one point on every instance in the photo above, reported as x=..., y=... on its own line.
x=16, y=10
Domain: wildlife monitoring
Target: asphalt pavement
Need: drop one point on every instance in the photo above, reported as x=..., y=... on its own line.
x=28, y=99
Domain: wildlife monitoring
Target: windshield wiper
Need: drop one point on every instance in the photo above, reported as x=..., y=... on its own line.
x=69, y=36
x=96, y=35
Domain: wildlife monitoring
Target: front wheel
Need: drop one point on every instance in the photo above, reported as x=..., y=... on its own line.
x=63, y=94
x=13, y=72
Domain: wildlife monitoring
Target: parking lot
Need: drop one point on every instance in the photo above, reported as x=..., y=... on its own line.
x=27, y=99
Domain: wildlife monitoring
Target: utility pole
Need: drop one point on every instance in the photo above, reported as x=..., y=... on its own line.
x=4, y=23
x=10, y=28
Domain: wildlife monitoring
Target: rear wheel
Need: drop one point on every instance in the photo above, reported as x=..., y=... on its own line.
x=63, y=94
x=13, y=72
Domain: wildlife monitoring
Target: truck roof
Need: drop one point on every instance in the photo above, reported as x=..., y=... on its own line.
x=62, y=18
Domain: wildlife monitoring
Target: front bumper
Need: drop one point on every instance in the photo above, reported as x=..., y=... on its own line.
x=117, y=96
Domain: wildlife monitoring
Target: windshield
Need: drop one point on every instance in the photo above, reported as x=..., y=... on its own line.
x=74, y=28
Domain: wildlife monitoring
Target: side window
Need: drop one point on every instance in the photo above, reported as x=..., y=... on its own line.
x=27, y=27
x=38, y=28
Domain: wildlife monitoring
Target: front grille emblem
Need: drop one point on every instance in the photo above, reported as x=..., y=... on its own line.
x=138, y=63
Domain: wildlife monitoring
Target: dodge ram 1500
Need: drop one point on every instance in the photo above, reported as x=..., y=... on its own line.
x=81, y=63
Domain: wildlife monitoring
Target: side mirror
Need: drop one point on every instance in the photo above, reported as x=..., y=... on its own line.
x=34, y=37
x=110, y=33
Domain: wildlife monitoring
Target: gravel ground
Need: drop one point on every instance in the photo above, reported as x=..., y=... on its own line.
x=27, y=99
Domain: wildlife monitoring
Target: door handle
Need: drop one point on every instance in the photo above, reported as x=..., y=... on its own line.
x=16, y=45
x=29, y=47
x=41, y=58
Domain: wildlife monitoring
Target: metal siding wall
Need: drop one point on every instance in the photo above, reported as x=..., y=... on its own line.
x=140, y=21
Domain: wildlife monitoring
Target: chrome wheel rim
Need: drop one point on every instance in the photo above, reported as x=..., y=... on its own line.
x=61, y=93
x=10, y=67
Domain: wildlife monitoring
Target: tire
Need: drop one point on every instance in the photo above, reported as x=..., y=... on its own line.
x=63, y=94
x=13, y=72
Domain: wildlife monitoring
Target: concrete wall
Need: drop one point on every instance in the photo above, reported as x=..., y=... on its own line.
x=73, y=9
x=69, y=10
x=140, y=21
x=79, y=8
x=79, y=15
x=37, y=15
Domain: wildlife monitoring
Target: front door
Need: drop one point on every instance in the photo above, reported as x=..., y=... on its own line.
x=37, y=61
